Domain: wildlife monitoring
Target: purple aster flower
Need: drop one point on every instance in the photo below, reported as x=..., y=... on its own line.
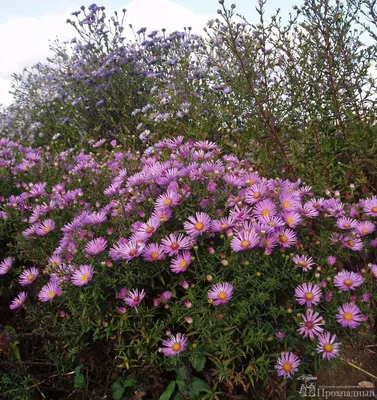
x=19, y=301
x=197, y=225
x=347, y=280
x=327, y=347
x=244, y=240
x=122, y=293
x=49, y=291
x=331, y=260
x=292, y=218
x=286, y=238
x=82, y=276
x=162, y=214
x=221, y=293
x=96, y=246
x=308, y=294
x=265, y=208
x=346, y=223
x=45, y=227
x=169, y=199
x=172, y=244
x=5, y=265
x=28, y=276
x=304, y=262
x=354, y=244
x=365, y=228
x=134, y=297
x=370, y=206
x=349, y=315
x=181, y=262
x=289, y=201
x=153, y=252
x=287, y=365
x=280, y=335
x=167, y=295
x=311, y=326
x=174, y=345
x=255, y=193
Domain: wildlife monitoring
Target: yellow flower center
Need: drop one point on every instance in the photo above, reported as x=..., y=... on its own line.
x=348, y=282
x=167, y=202
x=174, y=246
x=30, y=277
x=163, y=217
x=374, y=209
x=309, y=296
x=347, y=316
x=286, y=204
x=290, y=220
x=327, y=347
x=199, y=226
x=283, y=239
x=350, y=243
x=84, y=278
x=183, y=264
x=176, y=347
x=223, y=226
x=303, y=264
x=149, y=229
x=287, y=367
x=257, y=195
x=154, y=255
x=365, y=230
x=245, y=243
x=346, y=225
x=132, y=253
x=266, y=212
x=50, y=294
x=250, y=182
x=46, y=229
x=222, y=296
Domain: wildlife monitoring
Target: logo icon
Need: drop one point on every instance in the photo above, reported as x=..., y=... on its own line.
x=308, y=387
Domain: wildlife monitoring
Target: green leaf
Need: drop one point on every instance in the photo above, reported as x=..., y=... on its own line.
x=181, y=384
x=198, y=361
x=117, y=389
x=130, y=383
x=79, y=378
x=168, y=392
x=197, y=386
x=181, y=373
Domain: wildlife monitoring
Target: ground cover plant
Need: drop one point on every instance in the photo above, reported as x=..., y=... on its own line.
x=183, y=257
x=190, y=217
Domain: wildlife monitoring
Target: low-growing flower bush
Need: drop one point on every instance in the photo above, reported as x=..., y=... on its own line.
x=185, y=256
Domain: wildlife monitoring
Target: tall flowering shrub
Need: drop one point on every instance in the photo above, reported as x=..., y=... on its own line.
x=186, y=256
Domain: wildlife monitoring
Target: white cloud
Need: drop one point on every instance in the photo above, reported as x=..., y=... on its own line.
x=25, y=41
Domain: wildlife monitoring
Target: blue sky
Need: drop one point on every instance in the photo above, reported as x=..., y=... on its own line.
x=35, y=8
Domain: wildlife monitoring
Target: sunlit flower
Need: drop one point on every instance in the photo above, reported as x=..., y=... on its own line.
x=308, y=294
x=28, y=276
x=82, y=276
x=327, y=346
x=349, y=315
x=348, y=280
x=287, y=365
x=174, y=345
x=221, y=293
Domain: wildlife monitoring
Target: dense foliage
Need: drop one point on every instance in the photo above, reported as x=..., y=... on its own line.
x=152, y=215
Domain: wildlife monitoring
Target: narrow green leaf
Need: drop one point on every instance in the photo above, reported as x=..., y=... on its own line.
x=168, y=392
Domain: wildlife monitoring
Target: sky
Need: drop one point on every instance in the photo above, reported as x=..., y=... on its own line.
x=26, y=26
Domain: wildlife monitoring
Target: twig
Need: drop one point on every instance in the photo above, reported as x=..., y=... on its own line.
x=360, y=369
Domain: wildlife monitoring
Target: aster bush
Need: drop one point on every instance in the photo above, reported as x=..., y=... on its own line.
x=297, y=97
x=187, y=259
